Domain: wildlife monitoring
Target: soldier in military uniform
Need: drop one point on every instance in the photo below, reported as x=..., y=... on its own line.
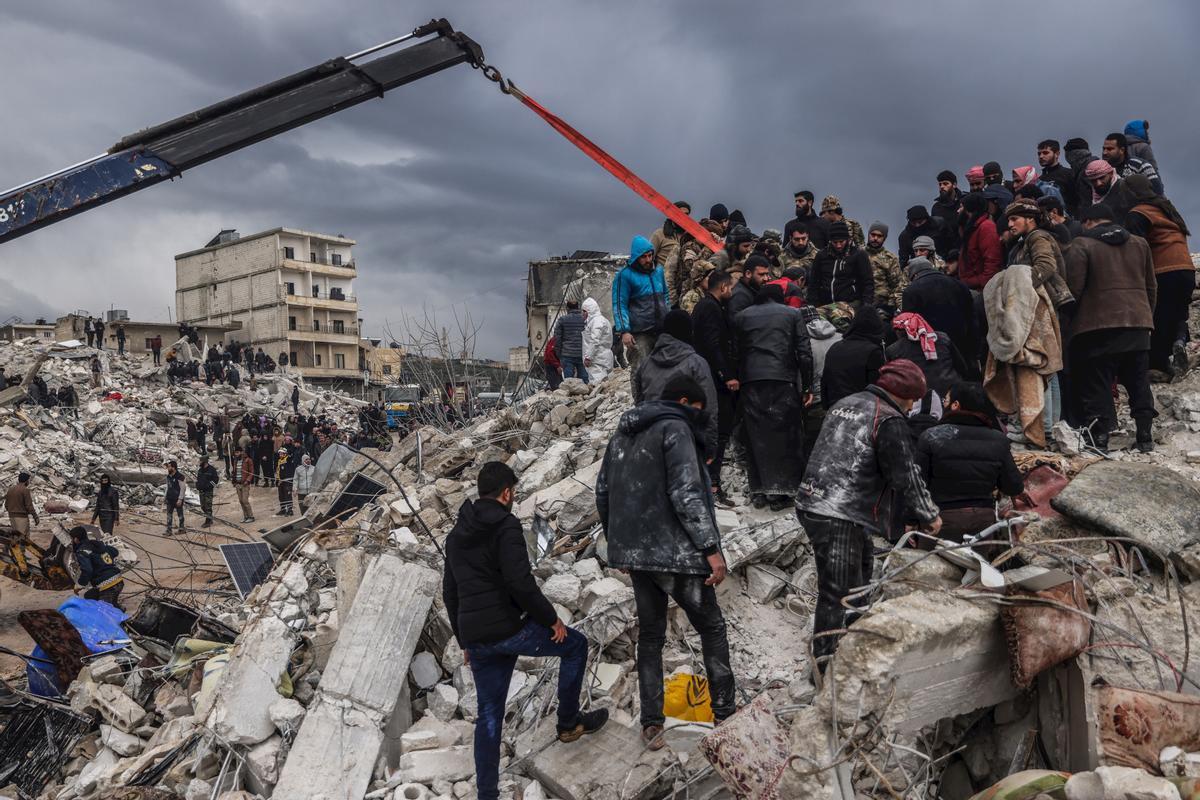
x=924, y=247
x=890, y=279
x=680, y=269
x=798, y=252
x=831, y=210
x=699, y=280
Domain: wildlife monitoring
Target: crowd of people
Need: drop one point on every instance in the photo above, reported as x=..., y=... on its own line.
x=878, y=392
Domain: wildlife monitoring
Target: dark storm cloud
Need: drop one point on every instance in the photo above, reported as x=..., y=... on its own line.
x=451, y=188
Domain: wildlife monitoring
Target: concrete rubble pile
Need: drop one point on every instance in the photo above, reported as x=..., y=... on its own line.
x=344, y=680
x=129, y=426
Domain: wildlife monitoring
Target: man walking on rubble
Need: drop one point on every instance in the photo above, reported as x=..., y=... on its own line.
x=206, y=482
x=242, y=477
x=97, y=568
x=863, y=450
x=656, y=506
x=498, y=614
x=156, y=349
x=108, y=505
x=18, y=502
x=713, y=340
x=176, y=492
x=568, y=338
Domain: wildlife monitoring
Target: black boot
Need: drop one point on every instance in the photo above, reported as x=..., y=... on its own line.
x=1100, y=438
x=1145, y=439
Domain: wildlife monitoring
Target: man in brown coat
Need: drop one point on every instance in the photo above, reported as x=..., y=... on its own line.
x=18, y=502
x=1111, y=274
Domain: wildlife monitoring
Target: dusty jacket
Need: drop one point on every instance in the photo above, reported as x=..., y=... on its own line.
x=304, y=477
x=841, y=277
x=670, y=358
x=772, y=345
x=654, y=495
x=597, y=339
x=1168, y=244
x=863, y=449
x=19, y=502
x=487, y=586
x=568, y=334
x=1039, y=249
x=1112, y=274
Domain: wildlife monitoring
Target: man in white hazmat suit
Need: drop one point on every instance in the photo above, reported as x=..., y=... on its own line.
x=597, y=342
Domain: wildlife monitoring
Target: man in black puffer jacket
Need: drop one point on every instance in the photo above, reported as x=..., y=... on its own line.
x=852, y=364
x=965, y=460
x=656, y=506
x=841, y=272
x=498, y=613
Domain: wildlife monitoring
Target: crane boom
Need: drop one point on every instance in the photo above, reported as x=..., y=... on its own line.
x=164, y=151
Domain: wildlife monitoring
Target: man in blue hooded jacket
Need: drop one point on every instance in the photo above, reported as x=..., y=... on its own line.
x=639, y=301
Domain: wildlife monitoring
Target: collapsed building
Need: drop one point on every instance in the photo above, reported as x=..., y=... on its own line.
x=1059, y=666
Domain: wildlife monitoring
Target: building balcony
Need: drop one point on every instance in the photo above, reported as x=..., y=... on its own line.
x=331, y=372
x=348, y=334
x=333, y=302
x=347, y=270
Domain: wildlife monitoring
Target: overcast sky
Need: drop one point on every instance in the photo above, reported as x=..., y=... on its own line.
x=451, y=188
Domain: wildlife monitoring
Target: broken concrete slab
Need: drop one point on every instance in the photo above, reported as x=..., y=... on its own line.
x=362, y=683
x=240, y=706
x=427, y=766
x=549, y=468
x=922, y=657
x=1148, y=503
x=761, y=542
x=612, y=762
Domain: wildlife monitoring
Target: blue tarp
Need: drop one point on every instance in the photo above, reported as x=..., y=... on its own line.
x=96, y=622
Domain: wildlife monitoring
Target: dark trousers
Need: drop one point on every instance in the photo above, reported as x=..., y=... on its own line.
x=120, y=346
x=206, y=498
x=1093, y=379
x=553, y=377
x=157, y=357
x=107, y=519
x=699, y=602
x=725, y=404
x=111, y=595
x=285, y=496
x=1170, y=314
x=172, y=510
x=492, y=667
x=265, y=472
x=843, y=555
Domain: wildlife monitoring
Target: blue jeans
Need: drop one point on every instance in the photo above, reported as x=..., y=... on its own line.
x=492, y=666
x=573, y=368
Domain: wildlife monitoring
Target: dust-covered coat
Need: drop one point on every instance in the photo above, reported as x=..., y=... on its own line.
x=654, y=494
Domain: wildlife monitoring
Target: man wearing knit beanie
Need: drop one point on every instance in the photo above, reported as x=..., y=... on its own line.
x=831, y=212
x=863, y=450
x=885, y=270
x=841, y=272
x=920, y=223
x=945, y=206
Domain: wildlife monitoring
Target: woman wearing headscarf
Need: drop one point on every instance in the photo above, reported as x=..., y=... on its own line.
x=982, y=254
x=1155, y=219
x=108, y=505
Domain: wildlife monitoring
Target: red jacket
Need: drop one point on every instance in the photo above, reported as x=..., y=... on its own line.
x=247, y=471
x=983, y=256
x=551, y=357
x=793, y=295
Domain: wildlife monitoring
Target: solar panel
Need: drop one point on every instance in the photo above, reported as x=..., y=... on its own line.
x=249, y=563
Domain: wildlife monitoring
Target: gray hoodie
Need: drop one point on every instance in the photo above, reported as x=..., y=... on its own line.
x=669, y=358
x=822, y=336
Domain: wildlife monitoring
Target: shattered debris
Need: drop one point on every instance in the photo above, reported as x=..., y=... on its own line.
x=338, y=676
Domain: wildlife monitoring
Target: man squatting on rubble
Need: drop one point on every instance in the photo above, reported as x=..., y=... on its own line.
x=498, y=613
x=97, y=568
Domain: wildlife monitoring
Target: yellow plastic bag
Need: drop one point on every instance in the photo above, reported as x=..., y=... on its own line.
x=686, y=697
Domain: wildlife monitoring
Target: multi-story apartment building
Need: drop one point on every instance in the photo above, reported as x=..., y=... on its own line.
x=291, y=290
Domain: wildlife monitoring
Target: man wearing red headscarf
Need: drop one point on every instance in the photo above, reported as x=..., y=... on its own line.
x=864, y=451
